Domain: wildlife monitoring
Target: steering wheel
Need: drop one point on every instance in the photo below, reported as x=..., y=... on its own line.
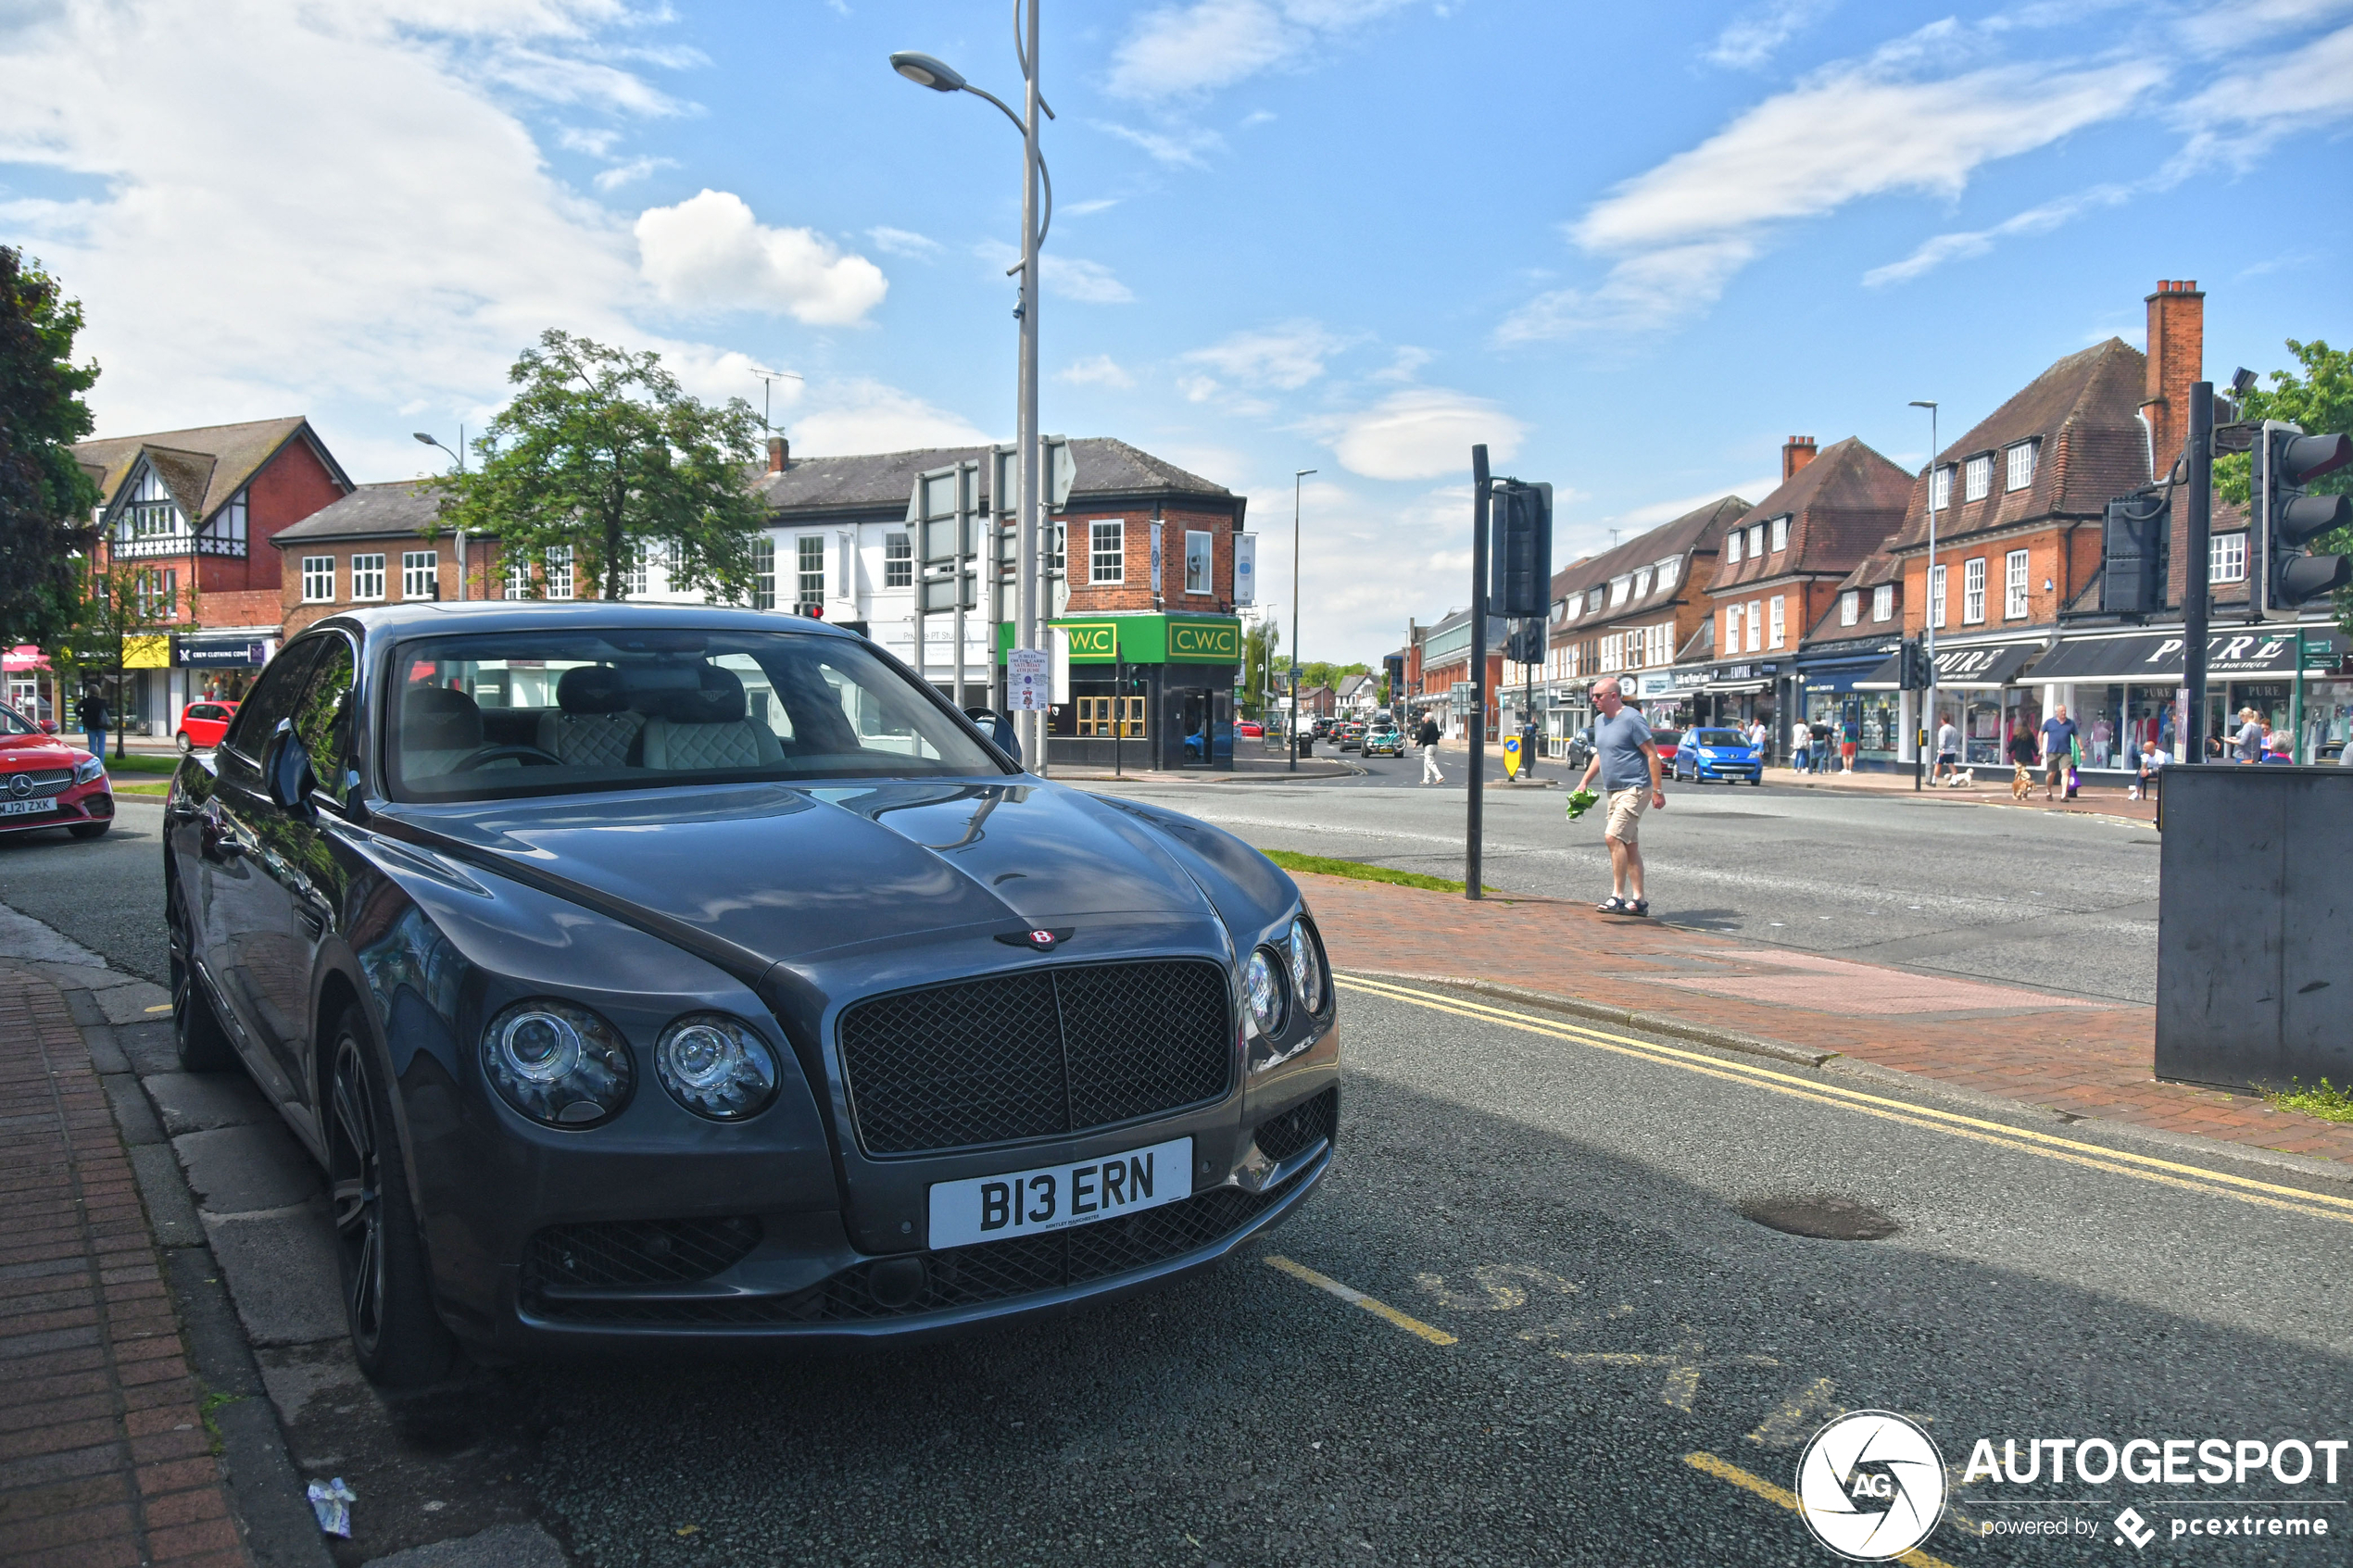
x=531, y=756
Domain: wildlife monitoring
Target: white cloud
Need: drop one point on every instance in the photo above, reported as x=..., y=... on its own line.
x=1648, y=290
x=1090, y=282
x=1180, y=147
x=1404, y=365
x=1099, y=369
x=1751, y=38
x=1286, y=356
x=709, y=252
x=2246, y=110
x=1936, y=251
x=1196, y=389
x=866, y=416
x=637, y=168
x=1422, y=434
x=1086, y=208
x=1185, y=50
x=902, y=242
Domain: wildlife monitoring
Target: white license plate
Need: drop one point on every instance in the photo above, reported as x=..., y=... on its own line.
x=1055, y=1198
x=25, y=808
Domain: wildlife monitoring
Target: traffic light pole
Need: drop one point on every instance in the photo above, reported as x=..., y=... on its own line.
x=1474, y=836
x=2198, y=511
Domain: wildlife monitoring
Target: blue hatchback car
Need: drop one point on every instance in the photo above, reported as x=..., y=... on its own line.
x=1719, y=754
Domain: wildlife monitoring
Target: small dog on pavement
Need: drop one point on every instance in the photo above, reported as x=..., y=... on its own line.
x=2022, y=783
x=1961, y=778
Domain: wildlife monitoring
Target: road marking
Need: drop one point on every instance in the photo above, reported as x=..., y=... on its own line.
x=2122, y=1162
x=165, y=1008
x=1358, y=1298
x=1684, y=1367
x=1798, y=1417
x=1724, y=1470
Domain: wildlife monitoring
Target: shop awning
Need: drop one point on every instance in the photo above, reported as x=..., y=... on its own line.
x=2240, y=653
x=1738, y=686
x=1979, y=667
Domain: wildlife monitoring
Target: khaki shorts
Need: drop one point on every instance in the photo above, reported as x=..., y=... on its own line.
x=1626, y=808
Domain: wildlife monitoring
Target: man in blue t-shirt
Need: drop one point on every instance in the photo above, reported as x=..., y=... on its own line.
x=1626, y=760
x=2059, y=750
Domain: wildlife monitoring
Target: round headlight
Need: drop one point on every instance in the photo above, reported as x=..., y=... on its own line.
x=716, y=1067
x=1306, y=969
x=556, y=1063
x=1264, y=991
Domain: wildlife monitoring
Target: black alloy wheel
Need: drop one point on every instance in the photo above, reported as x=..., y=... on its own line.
x=397, y=1336
x=197, y=1034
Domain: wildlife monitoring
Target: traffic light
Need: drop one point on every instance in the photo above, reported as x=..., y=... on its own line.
x=1911, y=666
x=1525, y=643
x=1519, y=574
x=2137, y=551
x=1396, y=665
x=2287, y=520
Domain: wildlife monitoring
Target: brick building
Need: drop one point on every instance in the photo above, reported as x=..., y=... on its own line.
x=191, y=514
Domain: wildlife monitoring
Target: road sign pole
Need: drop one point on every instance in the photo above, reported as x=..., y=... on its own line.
x=1475, y=827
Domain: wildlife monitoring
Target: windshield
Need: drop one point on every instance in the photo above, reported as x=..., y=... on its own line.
x=553, y=712
x=1665, y=737
x=1717, y=737
x=15, y=723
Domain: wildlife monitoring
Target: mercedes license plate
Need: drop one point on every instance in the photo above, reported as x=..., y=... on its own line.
x=1054, y=1197
x=25, y=808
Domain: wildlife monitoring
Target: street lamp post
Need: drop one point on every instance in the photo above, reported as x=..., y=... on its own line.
x=1927, y=606
x=1295, y=479
x=1036, y=217
x=460, y=455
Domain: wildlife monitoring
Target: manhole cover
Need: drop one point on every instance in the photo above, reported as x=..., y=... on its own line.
x=1822, y=1216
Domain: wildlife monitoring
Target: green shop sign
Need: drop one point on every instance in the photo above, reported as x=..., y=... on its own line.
x=1145, y=639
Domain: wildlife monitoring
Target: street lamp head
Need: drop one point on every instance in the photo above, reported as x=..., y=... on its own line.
x=1302, y=474
x=926, y=70
x=1917, y=403
x=426, y=439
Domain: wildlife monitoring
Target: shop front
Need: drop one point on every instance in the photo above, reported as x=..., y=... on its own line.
x=1829, y=691
x=1663, y=701
x=1737, y=695
x=2125, y=689
x=1144, y=691
x=1978, y=692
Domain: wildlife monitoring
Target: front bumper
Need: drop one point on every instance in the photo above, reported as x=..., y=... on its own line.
x=92, y=802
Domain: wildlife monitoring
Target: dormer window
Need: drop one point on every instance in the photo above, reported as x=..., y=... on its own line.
x=1573, y=606
x=2018, y=466
x=1669, y=570
x=1850, y=607
x=1732, y=547
x=1940, y=488
x=1977, y=477
x=1642, y=583
x=1883, y=602
x=1756, y=540
x=1620, y=589
x=1781, y=534
x=152, y=513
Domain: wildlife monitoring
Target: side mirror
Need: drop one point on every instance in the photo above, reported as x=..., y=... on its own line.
x=48, y=726
x=286, y=768
x=997, y=728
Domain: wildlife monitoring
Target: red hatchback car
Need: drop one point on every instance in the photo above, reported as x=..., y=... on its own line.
x=45, y=783
x=202, y=723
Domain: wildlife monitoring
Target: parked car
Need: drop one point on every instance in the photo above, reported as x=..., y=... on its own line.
x=690, y=975
x=46, y=782
x=1710, y=753
x=1384, y=742
x=1579, y=750
x=1251, y=729
x=201, y=724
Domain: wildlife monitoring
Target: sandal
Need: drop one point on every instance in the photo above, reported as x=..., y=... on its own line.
x=1639, y=907
x=1613, y=905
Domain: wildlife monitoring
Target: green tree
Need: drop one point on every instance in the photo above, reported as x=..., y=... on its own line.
x=602, y=454
x=110, y=617
x=2320, y=399
x=45, y=495
x=1261, y=644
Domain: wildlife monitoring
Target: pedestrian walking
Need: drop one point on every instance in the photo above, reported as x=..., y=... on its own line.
x=2058, y=751
x=1627, y=760
x=1948, y=750
x=1757, y=737
x=1819, y=733
x=1800, y=754
x=1427, y=738
x=2250, y=736
x=91, y=715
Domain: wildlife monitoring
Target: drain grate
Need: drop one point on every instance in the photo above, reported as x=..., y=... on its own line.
x=1822, y=1216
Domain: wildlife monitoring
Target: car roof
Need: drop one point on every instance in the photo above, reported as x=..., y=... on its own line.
x=519, y=615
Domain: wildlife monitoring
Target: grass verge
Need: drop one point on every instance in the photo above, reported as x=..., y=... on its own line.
x=1325, y=865
x=2328, y=1102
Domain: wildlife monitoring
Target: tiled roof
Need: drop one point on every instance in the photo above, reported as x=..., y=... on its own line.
x=2084, y=411
x=1688, y=540
x=402, y=507
x=1842, y=506
x=202, y=467
x=1105, y=467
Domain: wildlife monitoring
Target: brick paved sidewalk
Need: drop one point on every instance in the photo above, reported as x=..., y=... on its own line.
x=104, y=1456
x=2084, y=1059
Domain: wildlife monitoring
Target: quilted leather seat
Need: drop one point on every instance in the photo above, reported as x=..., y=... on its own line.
x=709, y=728
x=592, y=724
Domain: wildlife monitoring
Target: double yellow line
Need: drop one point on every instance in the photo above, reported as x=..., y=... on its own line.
x=2122, y=1163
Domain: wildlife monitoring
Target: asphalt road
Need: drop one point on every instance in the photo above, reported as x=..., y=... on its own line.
x=106, y=894
x=2058, y=901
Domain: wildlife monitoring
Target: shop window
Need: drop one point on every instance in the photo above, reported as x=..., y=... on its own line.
x=763, y=573
x=318, y=580
x=1936, y=595
x=1200, y=571
x=809, y=568
x=1097, y=715
x=1781, y=534
x=1850, y=607
x=2226, y=558
x=1940, y=488
x=2018, y=466
x=368, y=577
x=420, y=574
x=1977, y=478
x=2014, y=585
x=1107, y=552
x=898, y=561
x=1755, y=623
x=1778, y=628
x=1972, y=590
x=559, y=582
x=1883, y=602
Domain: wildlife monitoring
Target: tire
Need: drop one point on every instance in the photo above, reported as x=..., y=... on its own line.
x=198, y=1037
x=185, y=746
x=397, y=1335
x=1758, y=780
x=90, y=830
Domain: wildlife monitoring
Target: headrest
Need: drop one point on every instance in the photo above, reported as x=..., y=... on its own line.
x=592, y=688
x=438, y=719
x=719, y=699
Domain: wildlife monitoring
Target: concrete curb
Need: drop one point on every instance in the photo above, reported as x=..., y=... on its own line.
x=2272, y=1161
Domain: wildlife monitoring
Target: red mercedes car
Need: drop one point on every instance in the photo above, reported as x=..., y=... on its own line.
x=202, y=723
x=44, y=783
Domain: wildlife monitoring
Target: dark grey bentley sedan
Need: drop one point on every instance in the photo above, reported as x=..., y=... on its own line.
x=655, y=973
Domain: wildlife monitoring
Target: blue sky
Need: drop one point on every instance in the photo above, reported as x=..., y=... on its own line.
x=1632, y=247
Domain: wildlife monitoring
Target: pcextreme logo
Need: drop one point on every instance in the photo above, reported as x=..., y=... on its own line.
x=1870, y=1485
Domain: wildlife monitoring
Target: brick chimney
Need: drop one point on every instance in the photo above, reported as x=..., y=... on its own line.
x=779, y=452
x=1796, y=452
x=2176, y=358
